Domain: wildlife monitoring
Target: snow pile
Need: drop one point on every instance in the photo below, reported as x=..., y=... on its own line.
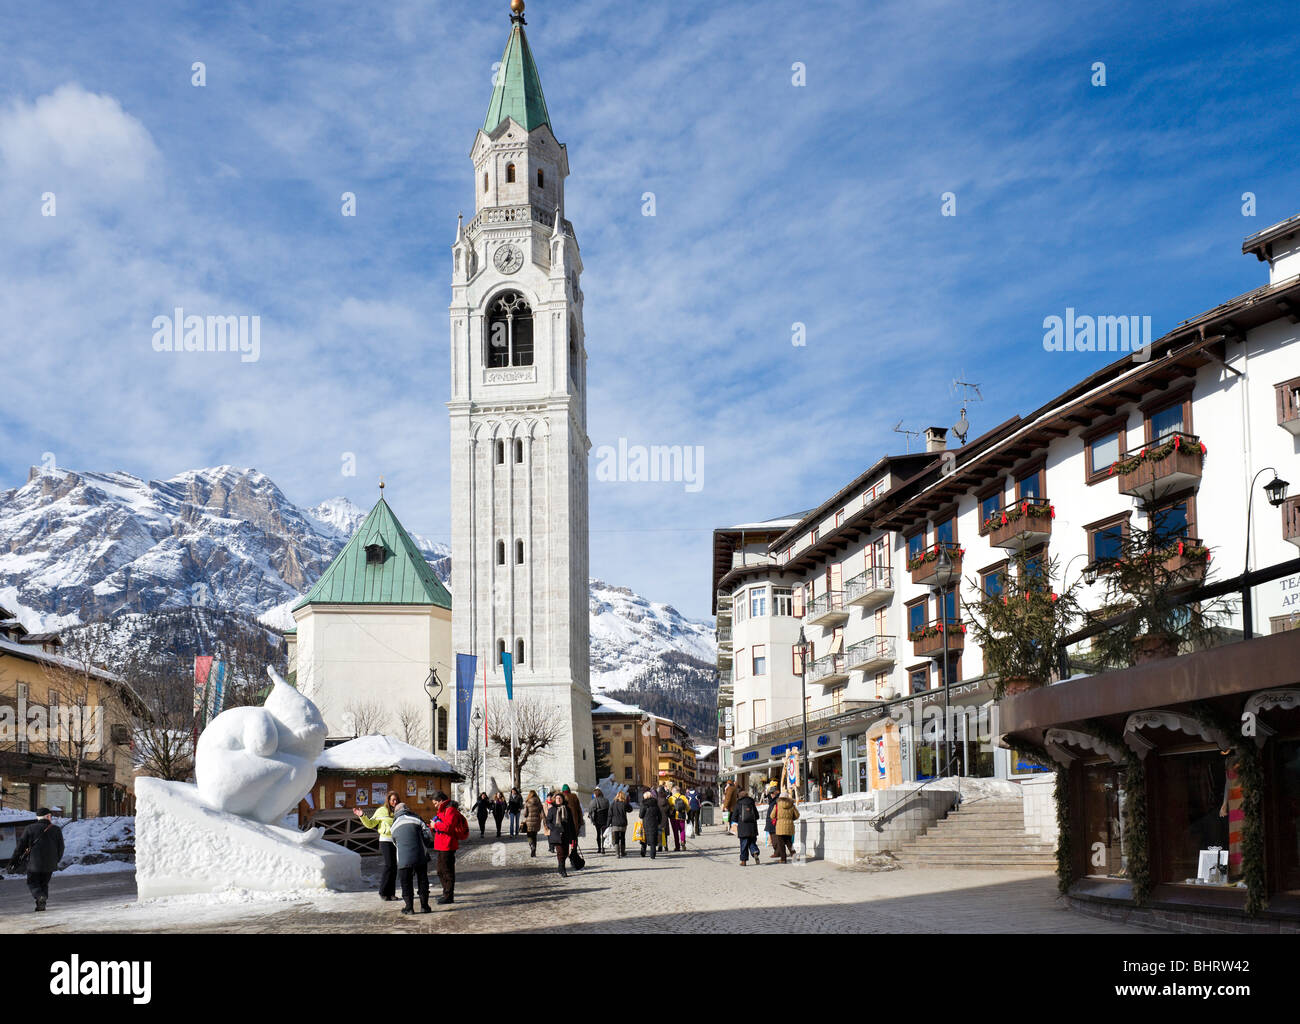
x=98, y=844
x=382, y=753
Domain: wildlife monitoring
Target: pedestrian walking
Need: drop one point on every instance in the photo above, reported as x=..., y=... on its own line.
x=513, y=807
x=651, y=827
x=786, y=815
x=574, y=805
x=770, y=819
x=382, y=822
x=499, y=811
x=618, y=823
x=561, y=829
x=665, y=815
x=729, y=797
x=744, y=816
x=41, y=846
x=598, y=815
x=533, y=811
x=482, y=808
x=450, y=829
x=412, y=841
x=680, y=811
x=693, y=801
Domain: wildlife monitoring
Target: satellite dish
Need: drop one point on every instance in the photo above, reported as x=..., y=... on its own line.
x=962, y=427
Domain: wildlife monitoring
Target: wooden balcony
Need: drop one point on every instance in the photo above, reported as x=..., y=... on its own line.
x=1189, y=558
x=873, y=587
x=872, y=654
x=1291, y=520
x=1170, y=464
x=827, y=610
x=926, y=570
x=928, y=641
x=1022, y=524
x=1288, y=405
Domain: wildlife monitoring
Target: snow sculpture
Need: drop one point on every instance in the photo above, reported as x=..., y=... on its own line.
x=253, y=766
x=259, y=762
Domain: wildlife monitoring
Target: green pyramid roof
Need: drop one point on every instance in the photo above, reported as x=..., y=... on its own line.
x=404, y=577
x=518, y=91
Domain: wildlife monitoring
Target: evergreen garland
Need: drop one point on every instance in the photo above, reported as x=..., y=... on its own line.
x=1135, y=828
x=1064, y=865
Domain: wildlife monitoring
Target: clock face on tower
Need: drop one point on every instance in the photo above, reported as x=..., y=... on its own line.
x=508, y=259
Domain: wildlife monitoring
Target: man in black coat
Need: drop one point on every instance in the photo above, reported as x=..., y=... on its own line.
x=42, y=842
x=598, y=813
x=661, y=797
x=744, y=816
x=651, y=823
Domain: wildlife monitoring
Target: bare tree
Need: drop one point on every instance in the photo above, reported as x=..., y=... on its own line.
x=413, y=725
x=536, y=726
x=88, y=712
x=164, y=738
x=469, y=761
x=367, y=717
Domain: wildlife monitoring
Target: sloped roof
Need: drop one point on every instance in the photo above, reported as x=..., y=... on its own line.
x=403, y=577
x=518, y=91
x=382, y=753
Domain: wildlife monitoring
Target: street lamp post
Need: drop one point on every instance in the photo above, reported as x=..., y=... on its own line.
x=433, y=687
x=1276, y=491
x=478, y=721
x=803, y=689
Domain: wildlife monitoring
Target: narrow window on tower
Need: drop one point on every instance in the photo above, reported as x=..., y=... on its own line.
x=509, y=331
x=510, y=174
x=501, y=453
x=541, y=179
x=519, y=552
x=519, y=452
x=501, y=650
x=573, y=350
x=519, y=651
x=485, y=181
x=442, y=728
x=501, y=552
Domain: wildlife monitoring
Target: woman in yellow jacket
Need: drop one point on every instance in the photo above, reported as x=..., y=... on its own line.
x=383, y=823
x=786, y=815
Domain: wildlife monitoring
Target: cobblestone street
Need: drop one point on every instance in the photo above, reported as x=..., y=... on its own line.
x=701, y=890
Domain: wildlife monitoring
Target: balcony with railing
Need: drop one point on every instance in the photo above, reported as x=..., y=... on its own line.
x=1168, y=464
x=872, y=654
x=928, y=640
x=873, y=587
x=785, y=726
x=829, y=670
x=929, y=568
x=828, y=610
x=1291, y=520
x=1022, y=524
x=1288, y=405
x=724, y=636
x=1187, y=558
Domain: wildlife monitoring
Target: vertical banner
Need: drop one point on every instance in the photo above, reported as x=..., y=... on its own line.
x=202, y=669
x=217, y=688
x=466, y=665
x=507, y=663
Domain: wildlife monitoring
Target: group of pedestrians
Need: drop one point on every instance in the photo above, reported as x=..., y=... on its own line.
x=405, y=842
x=499, y=807
x=740, y=811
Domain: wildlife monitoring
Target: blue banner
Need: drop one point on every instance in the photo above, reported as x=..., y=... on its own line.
x=507, y=663
x=466, y=664
x=218, y=689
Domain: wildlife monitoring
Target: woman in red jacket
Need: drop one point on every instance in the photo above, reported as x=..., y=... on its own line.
x=449, y=829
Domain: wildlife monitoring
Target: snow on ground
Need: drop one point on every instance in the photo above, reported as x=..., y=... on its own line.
x=92, y=845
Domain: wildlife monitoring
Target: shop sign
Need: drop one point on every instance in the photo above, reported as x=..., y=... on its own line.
x=823, y=740
x=778, y=751
x=749, y=755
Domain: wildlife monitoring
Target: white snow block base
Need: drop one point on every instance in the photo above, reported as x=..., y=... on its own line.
x=182, y=846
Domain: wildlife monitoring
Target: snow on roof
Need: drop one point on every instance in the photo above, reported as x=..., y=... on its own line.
x=34, y=653
x=382, y=753
x=610, y=706
x=703, y=752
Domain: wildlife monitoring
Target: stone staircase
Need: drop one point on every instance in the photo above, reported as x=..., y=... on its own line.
x=984, y=834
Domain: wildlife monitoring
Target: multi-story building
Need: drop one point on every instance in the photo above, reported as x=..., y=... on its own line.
x=630, y=737
x=65, y=725
x=706, y=769
x=1178, y=437
x=676, y=756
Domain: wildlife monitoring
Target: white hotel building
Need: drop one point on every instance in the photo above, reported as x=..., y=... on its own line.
x=1228, y=378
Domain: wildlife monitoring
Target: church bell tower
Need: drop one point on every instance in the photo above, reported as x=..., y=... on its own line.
x=519, y=426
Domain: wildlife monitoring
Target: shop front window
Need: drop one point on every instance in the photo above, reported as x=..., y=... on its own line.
x=1288, y=814
x=1199, y=815
x=1103, y=821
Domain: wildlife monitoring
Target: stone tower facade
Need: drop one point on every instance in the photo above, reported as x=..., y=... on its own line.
x=519, y=427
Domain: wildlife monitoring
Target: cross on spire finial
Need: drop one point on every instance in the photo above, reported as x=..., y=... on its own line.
x=381, y=486
x=517, y=12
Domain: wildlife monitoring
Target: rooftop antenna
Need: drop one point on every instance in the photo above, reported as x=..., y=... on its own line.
x=968, y=393
x=898, y=429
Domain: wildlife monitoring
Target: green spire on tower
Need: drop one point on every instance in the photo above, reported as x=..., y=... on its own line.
x=518, y=91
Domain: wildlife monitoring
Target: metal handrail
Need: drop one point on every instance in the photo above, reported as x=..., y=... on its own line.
x=879, y=577
x=883, y=645
x=876, y=821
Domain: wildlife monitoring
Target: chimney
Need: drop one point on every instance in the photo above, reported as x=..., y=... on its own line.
x=934, y=439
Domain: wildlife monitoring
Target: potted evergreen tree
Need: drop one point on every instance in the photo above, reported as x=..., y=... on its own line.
x=1021, y=628
x=1146, y=584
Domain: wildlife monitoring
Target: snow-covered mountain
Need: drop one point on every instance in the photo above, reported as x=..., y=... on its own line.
x=82, y=547
x=76, y=547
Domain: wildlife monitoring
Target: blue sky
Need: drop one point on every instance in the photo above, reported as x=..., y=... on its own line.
x=775, y=204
